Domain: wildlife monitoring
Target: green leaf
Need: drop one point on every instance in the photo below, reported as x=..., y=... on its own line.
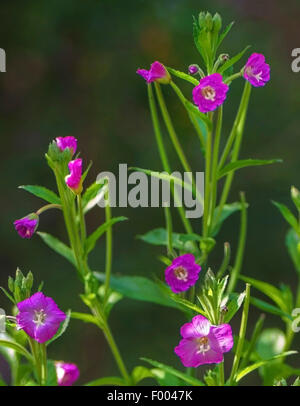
x=196, y=112
x=243, y=163
x=271, y=342
x=51, y=374
x=268, y=289
x=235, y=301
x=58, y=246
x=232, y=60
x=183, y=76
x=287, y=214
x=93, y=238
x=139, y=373
x=139, y=288
x=165, y=379
x=89, y=195
x=107, y=381
x=62, y=328
x=8, y=295
x=259, y=364
x=87, y=318
x=17, y=347
x=266, y=307
x=227, y=210
x=224, y=34
x=172, y=371
x=292, y=241
x=10, y=356
x=42, y=192
x=159, y=236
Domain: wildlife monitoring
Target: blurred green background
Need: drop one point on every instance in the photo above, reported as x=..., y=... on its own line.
x=71, y=71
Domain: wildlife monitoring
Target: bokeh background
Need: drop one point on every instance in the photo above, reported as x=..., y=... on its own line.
x=71, y=71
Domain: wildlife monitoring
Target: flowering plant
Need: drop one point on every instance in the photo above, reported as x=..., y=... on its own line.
x=209, y=299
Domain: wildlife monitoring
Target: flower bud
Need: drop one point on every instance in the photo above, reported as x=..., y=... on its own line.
x=208, y=21
x=27, y=226
x=193, y=69
x=217, y=23
x=74, y=181
x=295, y=194
x=201, y=19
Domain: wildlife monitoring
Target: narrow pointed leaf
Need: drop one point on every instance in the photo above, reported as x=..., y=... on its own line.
x=42, y=192
x=58, y=246
x=234, y=166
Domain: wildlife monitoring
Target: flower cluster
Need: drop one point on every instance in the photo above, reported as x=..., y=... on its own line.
x=212, y=90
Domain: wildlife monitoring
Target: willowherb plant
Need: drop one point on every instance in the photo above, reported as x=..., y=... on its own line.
x=208, y=299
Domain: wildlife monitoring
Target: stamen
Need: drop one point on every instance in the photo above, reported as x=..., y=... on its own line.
x=39, y=317
x=181, y=273
x=203, y=345
x=209, y=93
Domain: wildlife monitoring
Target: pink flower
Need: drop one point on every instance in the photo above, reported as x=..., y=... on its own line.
x=66, y=373
x=27, y=226
x=39, y=317
x=203, y=343
x=73, y=180
x=182, y=273
x=67, y=142
x=156, y=73
x=256, y=71
x=210, y=93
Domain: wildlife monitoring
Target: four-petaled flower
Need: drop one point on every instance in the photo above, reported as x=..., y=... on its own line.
x=182, y=273
x=203, y=343
x=156, y=73
x=256, y=71
x=27, y=226
x=73, y=180
x=210, y=93
x=67, y=142
x=40, y=317
x=66, y=373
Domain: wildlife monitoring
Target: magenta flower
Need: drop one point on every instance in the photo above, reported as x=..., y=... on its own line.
x=203, y=343
x=210, y=93
x=27, y=226
x=73, y=180
x=67, y=142
x=182, y=273
x=39, y=317
x=256, y=71
x=156, y=73
x=67, y=374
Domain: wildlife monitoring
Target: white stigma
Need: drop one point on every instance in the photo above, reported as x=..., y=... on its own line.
x=209, y=93
x=181, y=273
x=39, y=317
x=203, y=345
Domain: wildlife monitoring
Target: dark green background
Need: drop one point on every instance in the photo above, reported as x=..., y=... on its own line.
x=71, y=71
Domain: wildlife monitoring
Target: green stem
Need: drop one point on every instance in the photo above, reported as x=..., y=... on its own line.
x=35, y=353
x=243, y=104
x=47, y=207
x=242, y=334
x=232, y=77
x=236, y=148
x=256, y=332
x=82, y=220
x=109, y=242
x=225, y=262
x=214, y=175
x=221, y=374
x=43, y=351
x=169, y=228
x=162, y=153
x=207, y=182
x=170, y=128
x=98, y=313
x=241, y=246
